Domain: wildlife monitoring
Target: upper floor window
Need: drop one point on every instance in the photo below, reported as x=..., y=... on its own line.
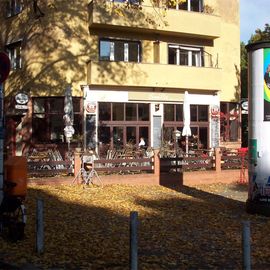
x=14, y=7
x=14, y=53
x=185, y=56
x=120, y=50
x=127, y=1
x=189, y=5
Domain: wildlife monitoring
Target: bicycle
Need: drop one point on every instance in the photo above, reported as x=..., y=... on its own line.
x=87, y=173
x=12, y=214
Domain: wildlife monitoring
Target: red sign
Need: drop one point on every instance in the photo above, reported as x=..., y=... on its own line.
x=4, y=66
x=91, y=107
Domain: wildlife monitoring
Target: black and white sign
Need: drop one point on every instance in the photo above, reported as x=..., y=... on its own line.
x=21, y=98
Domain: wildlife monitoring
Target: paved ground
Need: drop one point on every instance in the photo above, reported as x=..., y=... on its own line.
x=180, y=228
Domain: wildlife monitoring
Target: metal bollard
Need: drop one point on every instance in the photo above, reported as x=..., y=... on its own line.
x=133, y=241
x=39, y=227
x=246, y=245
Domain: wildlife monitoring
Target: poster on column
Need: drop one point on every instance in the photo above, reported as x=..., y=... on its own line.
x=266, y=65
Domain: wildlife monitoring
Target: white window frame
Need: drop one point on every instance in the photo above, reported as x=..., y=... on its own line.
x=189, y=5
x=12, y=53
x=189, y=50
x=126, y=49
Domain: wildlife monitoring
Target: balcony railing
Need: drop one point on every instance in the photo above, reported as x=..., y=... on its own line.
x=105, y=14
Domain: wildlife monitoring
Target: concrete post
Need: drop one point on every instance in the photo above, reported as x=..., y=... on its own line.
x=217, y=159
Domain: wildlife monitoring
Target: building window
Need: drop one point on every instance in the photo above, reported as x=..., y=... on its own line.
x=189, y=5
x=119, y=50
x=14, y=7
x=122, y=124
x=173, y=120
x=14, y=53
x=132, y=2
x=48, y=123
x=185, y=56
x=229, y=122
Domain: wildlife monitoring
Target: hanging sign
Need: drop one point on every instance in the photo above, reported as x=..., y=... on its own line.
x=21, y=101
x=91, y=107
x=215, y=111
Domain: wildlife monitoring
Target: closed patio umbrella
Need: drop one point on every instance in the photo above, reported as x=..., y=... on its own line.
x=68, y=115
x=186, y=113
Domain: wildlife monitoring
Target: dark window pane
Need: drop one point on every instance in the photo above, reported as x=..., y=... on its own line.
x=118, y=51
x=184, y=58
x=168, y=112
x=105, y=49
x=179, y=112
x=76, y=105
x=104, y=136
x=193, y=113
x=133, y=52
x=104, y=139
x=196, y=59
x=77, y=125
x=144, y=133
x=56, y=105
x=56, y=128
x=168, y=134
x=104, y=111
x=233, y=130
x=172, y=56
x=196, y=5
x=143, y=112
x=39, y=105
x=118, y=111
x=203, y=113
x=131, y=112
x=131, y=135
x=223, y=107
x=39, y=130
x=183, y=5
x=118, y=137
x=203, y=135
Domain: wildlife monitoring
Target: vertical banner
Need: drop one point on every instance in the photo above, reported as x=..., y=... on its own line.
x=266, y=65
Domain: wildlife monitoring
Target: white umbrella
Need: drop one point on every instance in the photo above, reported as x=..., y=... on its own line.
x=186, y=111
x=68, y=116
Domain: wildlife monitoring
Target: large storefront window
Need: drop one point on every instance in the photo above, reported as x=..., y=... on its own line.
x=48, y=124
x=173, y=120
x=122, y=125
x=229, y=122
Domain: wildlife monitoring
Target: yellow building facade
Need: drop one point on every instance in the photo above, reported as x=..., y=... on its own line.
x=129, y=64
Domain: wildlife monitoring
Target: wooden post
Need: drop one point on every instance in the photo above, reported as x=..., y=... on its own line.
x=77, y=164
x=39, y=227
x=217, y=160
x=133, y=258
x=156, y=163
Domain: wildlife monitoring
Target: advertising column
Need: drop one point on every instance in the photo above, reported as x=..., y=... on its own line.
x=259, y=128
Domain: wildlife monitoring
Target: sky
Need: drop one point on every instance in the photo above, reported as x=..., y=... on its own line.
x=254, y=14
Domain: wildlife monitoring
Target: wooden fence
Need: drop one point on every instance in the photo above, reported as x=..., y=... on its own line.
x=123, y=165
x=49, y=168
x=218, y=161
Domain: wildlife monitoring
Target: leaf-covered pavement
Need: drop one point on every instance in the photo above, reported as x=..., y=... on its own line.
x=188, y=228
